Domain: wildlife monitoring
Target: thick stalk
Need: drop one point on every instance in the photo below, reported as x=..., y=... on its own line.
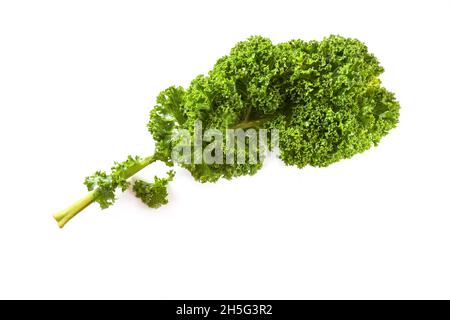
x=65, y=215
x=249, y=124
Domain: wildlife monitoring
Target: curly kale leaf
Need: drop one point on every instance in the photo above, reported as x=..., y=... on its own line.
x=324, y=97
x=154, y=194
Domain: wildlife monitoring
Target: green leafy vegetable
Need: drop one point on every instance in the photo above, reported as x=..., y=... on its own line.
x=324, y=98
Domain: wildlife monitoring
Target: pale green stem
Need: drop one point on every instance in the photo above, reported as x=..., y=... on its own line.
x=65, y=215
x=249, y=124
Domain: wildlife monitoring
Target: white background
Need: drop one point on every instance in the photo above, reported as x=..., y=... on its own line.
x=77, y=79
